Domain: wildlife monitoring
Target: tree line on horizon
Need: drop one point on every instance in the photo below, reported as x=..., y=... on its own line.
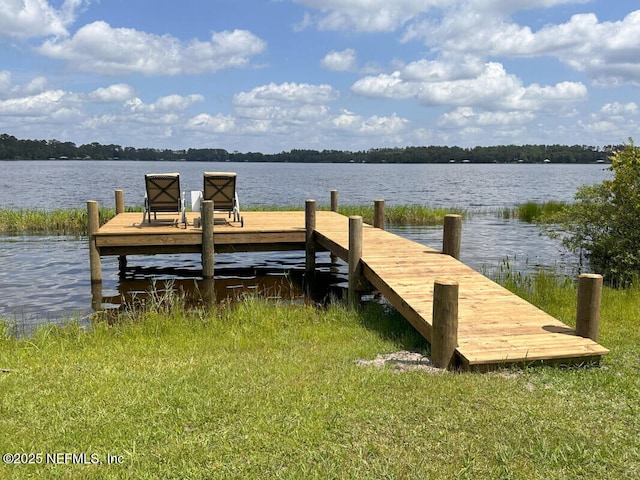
x=12, y=148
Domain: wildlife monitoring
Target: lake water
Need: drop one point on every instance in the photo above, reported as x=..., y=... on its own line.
x=46, y=278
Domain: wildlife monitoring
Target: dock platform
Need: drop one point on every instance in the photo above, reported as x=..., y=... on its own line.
x=496, y=328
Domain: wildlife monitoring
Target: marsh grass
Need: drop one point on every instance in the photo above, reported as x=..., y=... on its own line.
x=256, y=389
x=532, y=212
x=394, y=214
x=59, y=221
x=74, y=221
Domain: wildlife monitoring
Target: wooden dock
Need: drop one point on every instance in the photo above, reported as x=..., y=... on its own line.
x=495, y=327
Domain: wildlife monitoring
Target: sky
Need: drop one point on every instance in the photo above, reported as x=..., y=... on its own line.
x=275, y=75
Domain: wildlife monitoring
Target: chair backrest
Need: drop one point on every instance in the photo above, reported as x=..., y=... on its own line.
x=163, y=191
x=221, y=188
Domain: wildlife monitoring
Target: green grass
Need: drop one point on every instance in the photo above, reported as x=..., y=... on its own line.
x=260, y=390
x=394, y=214
x=402, y=214
x=59, y=221
x=532, y=212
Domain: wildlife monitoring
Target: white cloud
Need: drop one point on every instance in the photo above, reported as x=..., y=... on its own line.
x=10, y=90
x=286, y=103
x=450, y=67
x=41, y=104
x=5, y=81
x=492, y=89
x=388, y=128
x=386, y=86
x=367, y=15
x=119, y=92
x=387, y=16
x=36, y=18
x=619, y=110
x=212, y=123
x=285, y=94
x=606, y=51
x=467, y=116
x=98, y=47
x=167, y=104
x=298, y=116
x=342, y=61
x=609, y=50
x=509, y=6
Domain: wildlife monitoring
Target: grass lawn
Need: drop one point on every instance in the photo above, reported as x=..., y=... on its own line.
x=263, y=390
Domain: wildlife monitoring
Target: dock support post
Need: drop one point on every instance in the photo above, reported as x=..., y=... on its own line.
x=119, y=201
x=122, y=259
x=378, y=214
x=334, y=200
x=93, y=224
x=444, y=336
x=94, y=252
x=452, y=235
x=208, y=286
x=355, y=255
x=310, y=245
x=207, y=240
x=588, y=311
x=333, y=258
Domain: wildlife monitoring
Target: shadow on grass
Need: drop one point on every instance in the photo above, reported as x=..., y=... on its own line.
x=386, y=322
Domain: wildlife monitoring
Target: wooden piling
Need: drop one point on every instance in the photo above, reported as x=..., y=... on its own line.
x=588, y=311
x=310, y=245
x=355, y=255
x=122, y=265
x=444, y=337
x=119, y=194
x=96, y=296
x=333, y=258
x=452, y=235
x=207, y=239
x=208, y=291
x=378, y=214
x=334, y=200
x=94, y=253
x=122, y=259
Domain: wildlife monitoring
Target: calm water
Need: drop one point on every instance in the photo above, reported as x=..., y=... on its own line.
x=44, y=278
x=72, y=183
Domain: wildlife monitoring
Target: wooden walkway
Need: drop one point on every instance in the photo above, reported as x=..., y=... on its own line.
x=495, y=327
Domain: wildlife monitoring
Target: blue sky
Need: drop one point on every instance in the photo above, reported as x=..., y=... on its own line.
x=276, y=75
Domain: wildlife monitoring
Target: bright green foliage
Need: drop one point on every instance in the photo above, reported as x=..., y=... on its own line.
x=603, y=223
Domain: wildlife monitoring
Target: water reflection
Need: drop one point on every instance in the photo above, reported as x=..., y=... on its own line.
x=270, y=277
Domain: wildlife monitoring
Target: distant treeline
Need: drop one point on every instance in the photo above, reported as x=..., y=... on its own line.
x=12, y=148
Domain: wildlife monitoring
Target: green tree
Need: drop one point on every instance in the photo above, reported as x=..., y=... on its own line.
x=603, y=224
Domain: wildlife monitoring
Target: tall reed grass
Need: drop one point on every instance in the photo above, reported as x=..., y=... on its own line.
x=58, y=221
x=394, y=214
x=532, y=212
